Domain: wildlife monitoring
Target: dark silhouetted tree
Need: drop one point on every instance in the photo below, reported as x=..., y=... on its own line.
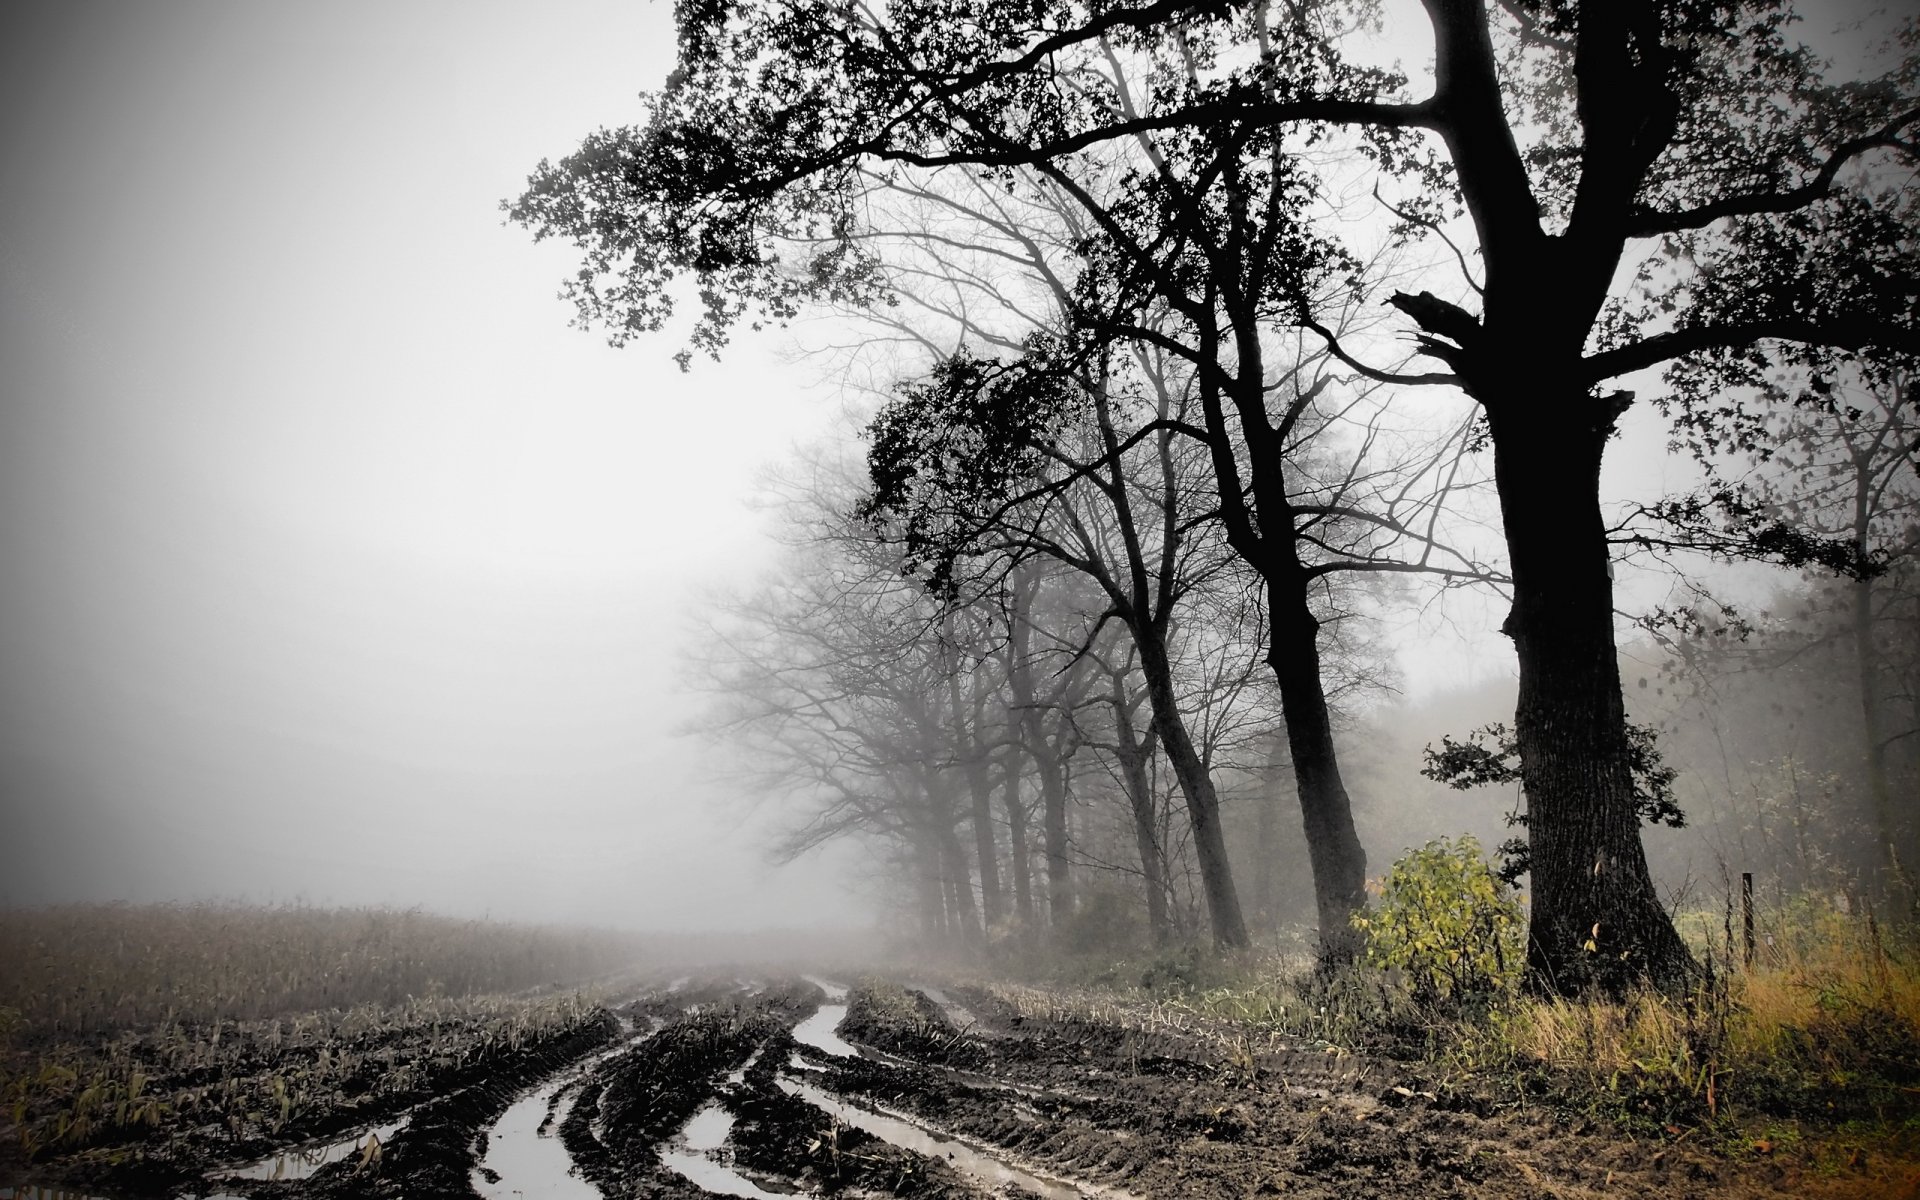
x=1573, y=134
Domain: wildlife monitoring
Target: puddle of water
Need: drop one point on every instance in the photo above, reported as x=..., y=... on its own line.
x=718, y=1179
x=702, y=1135
x=740, y=1075
x=524, y=1147
x=818, y=1031
x=834, y=991
x=298, y=1162
x=529, y=1162
x=709, y=1128
x=961, y=1156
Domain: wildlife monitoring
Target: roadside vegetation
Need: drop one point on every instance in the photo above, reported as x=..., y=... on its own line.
x=1809, y=1055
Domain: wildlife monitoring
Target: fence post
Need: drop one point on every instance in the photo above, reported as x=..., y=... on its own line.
x=1746, y=912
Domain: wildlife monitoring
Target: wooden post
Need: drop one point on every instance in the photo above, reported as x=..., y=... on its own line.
x=1746, y=912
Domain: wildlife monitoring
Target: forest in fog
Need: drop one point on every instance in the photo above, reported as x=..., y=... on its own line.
x=1194, y=359
x=996, y=751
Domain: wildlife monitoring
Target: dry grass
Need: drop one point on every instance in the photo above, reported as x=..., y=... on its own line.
x=1231, y=1023
x=888, y=999
x=1823, y=1030
x=1826, y=1024
x=88, y=969
x=123, y=1023
x=255, y=1078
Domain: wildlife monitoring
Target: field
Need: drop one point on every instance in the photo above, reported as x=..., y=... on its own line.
x=378, y=1053
x=142, y=1043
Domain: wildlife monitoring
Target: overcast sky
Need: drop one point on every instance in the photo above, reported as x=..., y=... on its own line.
x=333, y=564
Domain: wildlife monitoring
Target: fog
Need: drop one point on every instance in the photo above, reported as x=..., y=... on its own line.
x=335, y=568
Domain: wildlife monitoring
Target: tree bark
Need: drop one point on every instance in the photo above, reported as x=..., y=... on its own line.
x=1224, y=918
x=1326, y=812
x=1596, y=919
x=1132, y=755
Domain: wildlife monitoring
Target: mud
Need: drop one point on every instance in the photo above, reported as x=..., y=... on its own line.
x=298, y=1162
x=1160, y=1115
x=775, y=1087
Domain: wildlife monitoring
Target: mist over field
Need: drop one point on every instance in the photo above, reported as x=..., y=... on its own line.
x=338, y=570
x=334, y=566
x=1099, y=602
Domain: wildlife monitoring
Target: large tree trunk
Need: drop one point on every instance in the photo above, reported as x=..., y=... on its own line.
x=1596, y=921
x=1196, y=784
x=1326, y=812
x=1132, y=755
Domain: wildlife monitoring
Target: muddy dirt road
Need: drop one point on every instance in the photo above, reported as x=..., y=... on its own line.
x=766, y=1088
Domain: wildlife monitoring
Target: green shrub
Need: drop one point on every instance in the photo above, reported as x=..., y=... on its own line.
x=1448, y=924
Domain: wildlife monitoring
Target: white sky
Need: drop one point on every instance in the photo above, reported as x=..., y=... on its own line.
x=335, y=564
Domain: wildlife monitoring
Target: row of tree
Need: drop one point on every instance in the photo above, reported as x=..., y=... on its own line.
x=1092, y=477
x=1202, y=203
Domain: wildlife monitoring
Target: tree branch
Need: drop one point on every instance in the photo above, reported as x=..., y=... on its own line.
x=1662, y=347
x=1652, y=222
